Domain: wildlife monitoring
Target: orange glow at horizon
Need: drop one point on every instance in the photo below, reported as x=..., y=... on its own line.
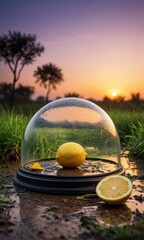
x=99, y=52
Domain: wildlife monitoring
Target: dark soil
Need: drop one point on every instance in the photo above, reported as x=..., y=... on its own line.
x=28, y=215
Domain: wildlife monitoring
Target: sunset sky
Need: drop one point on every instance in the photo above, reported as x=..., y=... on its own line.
x=98, y=44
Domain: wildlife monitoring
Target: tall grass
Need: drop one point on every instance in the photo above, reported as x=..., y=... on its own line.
x=130, y=126
x=135, y=143
x=12, y=127
x=124, y=120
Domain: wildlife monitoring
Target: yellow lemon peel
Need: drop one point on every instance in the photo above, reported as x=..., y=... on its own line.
x=37, y=166
x=71, y=155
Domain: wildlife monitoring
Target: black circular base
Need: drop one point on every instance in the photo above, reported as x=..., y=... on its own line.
x=60, y=184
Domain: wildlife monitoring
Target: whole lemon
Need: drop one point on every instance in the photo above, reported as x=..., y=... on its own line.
x=70, y=155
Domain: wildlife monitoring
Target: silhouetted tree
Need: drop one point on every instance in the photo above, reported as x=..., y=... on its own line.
x=5, y=90
x=92, y=100
x=135, y=97
x=40, y=99
x=49, y=76
x=73, y=94
x=25, y=91
x=18, y=50
x=119, y=98
x=106, y=99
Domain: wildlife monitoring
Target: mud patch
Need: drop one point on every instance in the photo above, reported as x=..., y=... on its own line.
x=31, y=215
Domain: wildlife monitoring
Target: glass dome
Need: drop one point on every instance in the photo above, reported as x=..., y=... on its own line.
x=62, y=121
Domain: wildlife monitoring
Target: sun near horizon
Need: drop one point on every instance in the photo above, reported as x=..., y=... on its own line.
x=114, y=94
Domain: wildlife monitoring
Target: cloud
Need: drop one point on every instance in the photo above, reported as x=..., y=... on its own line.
x=63, y=38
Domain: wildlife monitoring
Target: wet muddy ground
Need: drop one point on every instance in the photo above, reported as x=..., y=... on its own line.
x=30, y=215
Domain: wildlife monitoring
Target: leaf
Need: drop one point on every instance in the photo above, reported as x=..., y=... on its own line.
x=92, y=195
x=131, y=177
x=80, y=197
x=85, y=220
x=8, y=186
x=4, y=201
x=65, y=200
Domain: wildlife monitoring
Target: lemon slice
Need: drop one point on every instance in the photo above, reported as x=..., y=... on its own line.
x=37, y=166
x=114, y=189
x=70, y=155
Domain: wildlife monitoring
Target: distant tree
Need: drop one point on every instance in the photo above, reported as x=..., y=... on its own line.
x=5, y=90
x=49, y=76
x=92, y=100
x=73, y=94
x=40, y=99
x=24, y=91
x=135, y=97
x=18, y=50
x=106, y=99
x=119, y=98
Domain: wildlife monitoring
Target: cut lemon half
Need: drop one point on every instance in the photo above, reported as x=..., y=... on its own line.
x=114, y=189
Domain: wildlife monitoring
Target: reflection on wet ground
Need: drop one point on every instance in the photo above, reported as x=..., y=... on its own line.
x=31, y=215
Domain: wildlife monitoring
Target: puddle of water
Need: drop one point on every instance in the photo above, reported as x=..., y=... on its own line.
x=118, y=215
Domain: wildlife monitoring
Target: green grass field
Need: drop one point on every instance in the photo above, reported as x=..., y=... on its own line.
x=129, y=124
